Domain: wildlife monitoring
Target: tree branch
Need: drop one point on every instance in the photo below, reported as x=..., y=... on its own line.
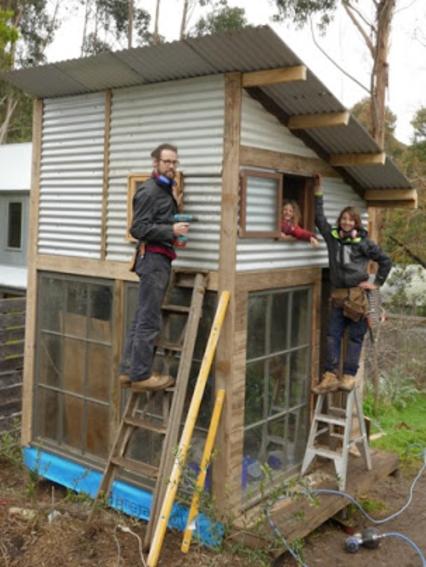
x=334, y=62
x=361, y=16
x=359, y=28
x=409, y=253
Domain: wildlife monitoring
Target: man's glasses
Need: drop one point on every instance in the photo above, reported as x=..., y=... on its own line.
x=174, y=163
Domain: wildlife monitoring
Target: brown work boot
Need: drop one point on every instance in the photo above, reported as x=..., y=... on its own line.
x=124, y=381
x=329, y=383
x=155, y=382
x=347, y=383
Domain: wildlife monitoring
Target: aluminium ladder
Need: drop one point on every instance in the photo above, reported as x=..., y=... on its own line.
x=152, y=412
x=337, y=421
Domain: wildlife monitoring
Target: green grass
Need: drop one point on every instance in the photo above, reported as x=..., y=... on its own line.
x=405, y=430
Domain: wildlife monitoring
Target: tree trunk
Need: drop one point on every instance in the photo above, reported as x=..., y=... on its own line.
x=156, y=22
x=380, y=70
x=130, y=26
x=11, y=103
x=184, y=17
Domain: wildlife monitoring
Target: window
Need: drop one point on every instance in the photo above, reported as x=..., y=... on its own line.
x=262, y=197
x=14, y=225
x=74, y=364
x=134, y=181
x=277, y=382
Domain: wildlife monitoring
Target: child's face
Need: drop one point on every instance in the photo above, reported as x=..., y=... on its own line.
x=347, y=223
x=288, y=212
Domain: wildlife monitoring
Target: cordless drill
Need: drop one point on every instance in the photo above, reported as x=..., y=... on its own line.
x=182, y=239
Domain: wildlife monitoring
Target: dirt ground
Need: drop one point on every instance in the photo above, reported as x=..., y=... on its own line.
x=70, y=542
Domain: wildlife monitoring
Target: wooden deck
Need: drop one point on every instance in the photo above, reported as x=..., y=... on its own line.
x=296, y=517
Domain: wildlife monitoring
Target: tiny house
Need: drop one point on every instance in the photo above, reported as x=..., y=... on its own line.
x=253, y=125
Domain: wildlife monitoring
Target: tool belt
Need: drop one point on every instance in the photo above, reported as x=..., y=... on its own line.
x=139, y=251
x=352, y=300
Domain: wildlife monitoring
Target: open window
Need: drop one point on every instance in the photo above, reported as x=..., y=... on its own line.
x=14, y=225
x=262, y=198
x=134, y=181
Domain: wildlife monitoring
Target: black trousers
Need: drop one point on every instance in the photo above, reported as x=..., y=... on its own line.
x=138, y=356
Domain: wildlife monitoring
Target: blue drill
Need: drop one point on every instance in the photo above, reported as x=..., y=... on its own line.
x=182, y=239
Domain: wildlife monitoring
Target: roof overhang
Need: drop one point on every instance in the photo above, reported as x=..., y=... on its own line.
x=271, y=73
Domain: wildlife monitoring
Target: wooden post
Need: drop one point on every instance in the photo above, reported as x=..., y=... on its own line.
x=229, y=374
x=31, y=310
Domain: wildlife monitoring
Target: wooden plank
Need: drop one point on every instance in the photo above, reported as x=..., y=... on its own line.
x=28, y=379
x=351, y=160
x=97, y=268
x=296, y=517
x=325, y=120
x=105, y=176
x=16, y=333
x=12, y=304
x=12, y=364
x=391, y=195
x=226, y=487
x=11, y=349
x=12, y=320
x=392, y=204
x=254, y=280
x=284, y=162
x=274, y=76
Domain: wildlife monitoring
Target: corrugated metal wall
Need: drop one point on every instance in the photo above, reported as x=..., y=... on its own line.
x=261, y=129
x=71, y=176
x=190, y=114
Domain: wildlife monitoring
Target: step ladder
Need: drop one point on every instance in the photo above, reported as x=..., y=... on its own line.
x=337, y=422
x=151, y=413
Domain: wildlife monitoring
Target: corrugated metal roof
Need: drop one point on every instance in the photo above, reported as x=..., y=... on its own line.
x=245, y=50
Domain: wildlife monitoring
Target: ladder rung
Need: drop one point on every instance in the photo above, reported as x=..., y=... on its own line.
x=136, y=466
x=330, y=419
x=326, y=453
x=184, y=309
x=166, y=345
x=146, y=424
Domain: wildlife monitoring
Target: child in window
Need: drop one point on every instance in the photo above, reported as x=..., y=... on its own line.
x=349, y=252
x=290, y=227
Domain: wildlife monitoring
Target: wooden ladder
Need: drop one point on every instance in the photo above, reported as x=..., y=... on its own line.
x=337, y=421
x=159, y=412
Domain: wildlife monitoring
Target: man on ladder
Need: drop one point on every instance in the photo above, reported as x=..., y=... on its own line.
x=153, y=226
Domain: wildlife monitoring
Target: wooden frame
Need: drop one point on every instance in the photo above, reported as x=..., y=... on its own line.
x=134, y=180
x=244, y=176
x=274, y=76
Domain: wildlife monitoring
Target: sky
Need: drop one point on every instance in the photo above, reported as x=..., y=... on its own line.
x=407, y=78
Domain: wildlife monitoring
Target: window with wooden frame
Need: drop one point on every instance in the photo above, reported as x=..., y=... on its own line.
x=261, y=201
x=134, y=181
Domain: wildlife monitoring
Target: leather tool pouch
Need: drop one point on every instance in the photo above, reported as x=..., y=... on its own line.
x=139, y=251
x=353, y=301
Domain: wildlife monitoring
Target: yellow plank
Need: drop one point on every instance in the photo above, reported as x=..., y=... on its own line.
x=350, y=160
x=305, y=121
x=274, y=76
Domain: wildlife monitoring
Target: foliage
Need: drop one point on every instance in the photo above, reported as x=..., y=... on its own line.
x=299, y=11
x=8, y=37
x=222, y=18
x=404, y=429
x=10, y=450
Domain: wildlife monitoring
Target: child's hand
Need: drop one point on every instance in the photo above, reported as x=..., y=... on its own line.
x=287, y=237
x=314, y=242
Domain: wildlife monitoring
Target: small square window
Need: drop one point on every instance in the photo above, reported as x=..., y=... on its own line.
x=14, y=228
x=134, y=181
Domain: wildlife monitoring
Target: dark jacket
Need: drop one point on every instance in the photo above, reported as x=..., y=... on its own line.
x=348, y=257
x=154, y=208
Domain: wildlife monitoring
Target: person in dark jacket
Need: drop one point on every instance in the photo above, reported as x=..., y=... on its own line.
x=349, y=252
x=153, y=226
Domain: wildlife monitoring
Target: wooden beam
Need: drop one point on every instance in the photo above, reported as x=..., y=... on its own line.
x=31, y=309
x=350, y=160
x=391, y=195
x=274, y=76
x=229, y=372
x=287, y=163
x=402, y=204
x=305, y=121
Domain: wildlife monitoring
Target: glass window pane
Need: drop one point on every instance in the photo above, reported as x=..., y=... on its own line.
x=99, y=371
x=74, y=365
x=256, y=332
x=97, y=429
x=73, y=421
x=77, y=297
x=299, y=376
x=261, y=204
x=14, y=232
x=256, y=390
x=51, y=303
x=280, y=314
x=300, y=325
x=279, y=384
x=50, y=362
x=100, y=313
x=47, y=414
